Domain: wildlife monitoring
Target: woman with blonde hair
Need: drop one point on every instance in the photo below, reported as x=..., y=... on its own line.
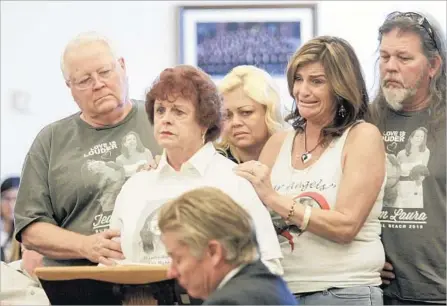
x=251, y=106
x=336, y=161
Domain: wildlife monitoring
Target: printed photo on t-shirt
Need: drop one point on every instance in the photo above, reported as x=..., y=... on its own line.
x=406, y=170
x=133, y=153
x=106, y=168
x=107, y=178
x=147, y=246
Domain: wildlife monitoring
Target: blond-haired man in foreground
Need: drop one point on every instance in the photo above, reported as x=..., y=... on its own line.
x=212, y=243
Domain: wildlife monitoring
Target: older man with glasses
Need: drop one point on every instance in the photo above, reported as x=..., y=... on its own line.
x=64, y=203
x=410, y=111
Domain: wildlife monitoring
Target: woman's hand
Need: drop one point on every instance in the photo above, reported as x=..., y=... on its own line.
x=258, y=175
x=152, y=165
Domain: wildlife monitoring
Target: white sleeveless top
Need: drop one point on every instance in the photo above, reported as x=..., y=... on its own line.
x=316, y=263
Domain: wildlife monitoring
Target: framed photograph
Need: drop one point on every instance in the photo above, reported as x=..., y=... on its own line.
x=218, y=38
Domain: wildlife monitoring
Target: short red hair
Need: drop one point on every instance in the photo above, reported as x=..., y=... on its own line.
x=192, y=84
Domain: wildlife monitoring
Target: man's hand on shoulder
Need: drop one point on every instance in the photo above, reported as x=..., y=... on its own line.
x=152, y=165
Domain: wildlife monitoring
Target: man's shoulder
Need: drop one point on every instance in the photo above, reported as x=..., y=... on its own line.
x=253, y=285
x=68, y=121
x=141, y=104
x=46, y=134
x=60, y=124
x=140, y=107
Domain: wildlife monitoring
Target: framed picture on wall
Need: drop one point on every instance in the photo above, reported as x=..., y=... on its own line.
x=218, y=38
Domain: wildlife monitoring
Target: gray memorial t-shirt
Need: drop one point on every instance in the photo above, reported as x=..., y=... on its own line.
x=73, y=173
x=414, y=209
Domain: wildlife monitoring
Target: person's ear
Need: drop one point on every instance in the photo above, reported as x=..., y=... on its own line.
x=215, y=252
x=435, y=65
x=122, y=63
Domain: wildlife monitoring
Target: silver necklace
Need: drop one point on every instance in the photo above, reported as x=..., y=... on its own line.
x=307, y=155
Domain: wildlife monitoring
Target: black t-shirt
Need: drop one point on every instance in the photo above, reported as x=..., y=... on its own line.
x=414, y=212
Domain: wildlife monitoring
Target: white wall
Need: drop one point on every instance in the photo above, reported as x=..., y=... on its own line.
x=33, y=35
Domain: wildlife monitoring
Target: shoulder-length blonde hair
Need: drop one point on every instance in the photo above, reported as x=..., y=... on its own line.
x=259, y=86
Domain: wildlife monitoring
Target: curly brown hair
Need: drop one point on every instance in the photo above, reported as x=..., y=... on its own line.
x=195, y=85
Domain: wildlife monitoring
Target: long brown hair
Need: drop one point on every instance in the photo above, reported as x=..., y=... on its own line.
x=344, y=73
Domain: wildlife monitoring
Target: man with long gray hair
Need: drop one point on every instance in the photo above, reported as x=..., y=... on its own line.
x=410, y=111
x=212, y=243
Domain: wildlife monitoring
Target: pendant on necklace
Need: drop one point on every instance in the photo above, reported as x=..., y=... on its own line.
x=305, y=157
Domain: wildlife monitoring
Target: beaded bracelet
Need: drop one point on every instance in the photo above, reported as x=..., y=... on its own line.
x=291, y=212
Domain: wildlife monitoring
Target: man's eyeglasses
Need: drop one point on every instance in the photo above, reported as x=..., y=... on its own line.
x=419, y=19
x=87, y=81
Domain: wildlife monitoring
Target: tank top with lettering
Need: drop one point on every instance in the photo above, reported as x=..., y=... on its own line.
x=313, y=263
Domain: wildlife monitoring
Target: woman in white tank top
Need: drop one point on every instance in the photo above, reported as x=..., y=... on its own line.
x=325, y=180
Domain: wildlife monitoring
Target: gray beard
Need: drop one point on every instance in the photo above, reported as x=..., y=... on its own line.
x=395, y=97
